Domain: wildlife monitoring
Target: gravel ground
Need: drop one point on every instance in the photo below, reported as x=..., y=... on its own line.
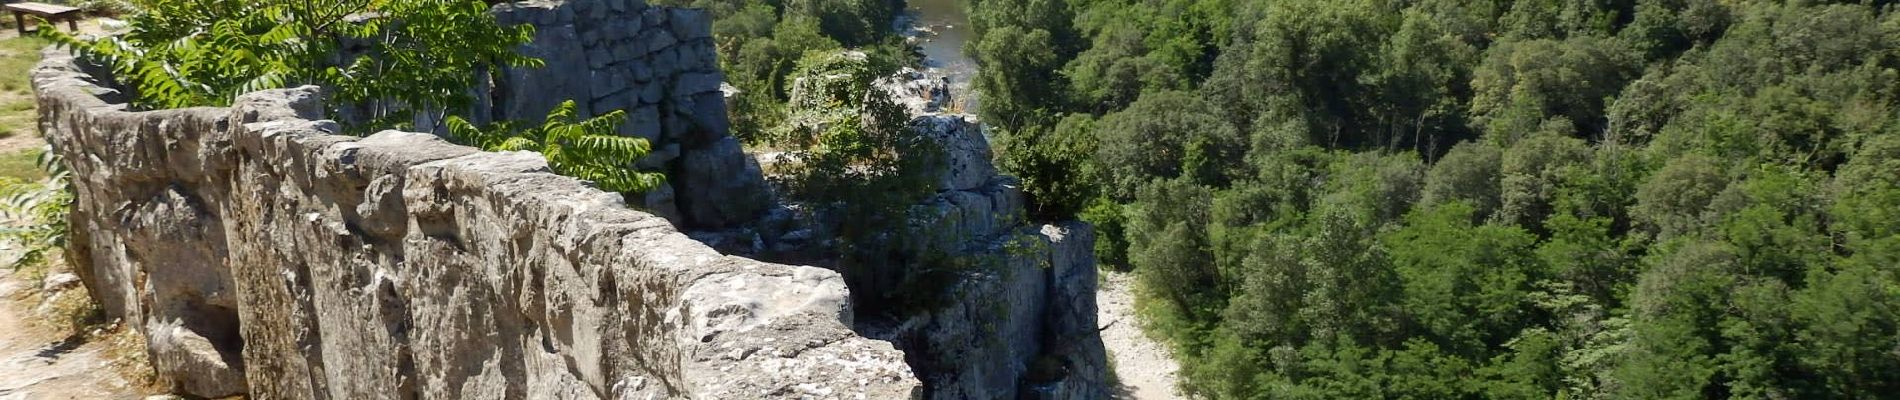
x=1146, y=368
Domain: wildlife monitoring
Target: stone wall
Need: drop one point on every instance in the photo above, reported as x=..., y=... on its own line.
x=659, y=65
x=262, y=254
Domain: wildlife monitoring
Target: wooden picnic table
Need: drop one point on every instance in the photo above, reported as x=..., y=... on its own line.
x=51, y=12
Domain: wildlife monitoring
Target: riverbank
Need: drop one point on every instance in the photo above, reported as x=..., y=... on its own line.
x=939, y=29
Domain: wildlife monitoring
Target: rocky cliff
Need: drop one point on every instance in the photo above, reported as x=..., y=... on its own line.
x=263, y=254
x=1020, y=320
x=1017, y=316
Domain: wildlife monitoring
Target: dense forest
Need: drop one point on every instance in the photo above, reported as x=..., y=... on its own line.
x=1443, y=199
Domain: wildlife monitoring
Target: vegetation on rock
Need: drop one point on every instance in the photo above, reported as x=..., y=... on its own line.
x=382, y=63
x=587, y=149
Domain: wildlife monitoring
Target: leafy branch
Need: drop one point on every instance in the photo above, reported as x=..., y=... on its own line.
x=587, y=149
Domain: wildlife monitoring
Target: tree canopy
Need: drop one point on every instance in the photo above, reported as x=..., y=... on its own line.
x=1476, y=199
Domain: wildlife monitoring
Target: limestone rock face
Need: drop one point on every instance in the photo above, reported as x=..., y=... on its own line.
x=720, y=185
x=920, y=92
x=967, y=164
x=262, y=254
x=1020, y=322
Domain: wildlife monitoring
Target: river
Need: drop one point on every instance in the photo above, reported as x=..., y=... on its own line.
x=940, y=28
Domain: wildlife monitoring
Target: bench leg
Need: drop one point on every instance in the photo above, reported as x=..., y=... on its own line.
x=73, y=23
x=19, y=22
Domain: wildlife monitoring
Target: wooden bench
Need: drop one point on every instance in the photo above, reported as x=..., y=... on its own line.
x=52, y=13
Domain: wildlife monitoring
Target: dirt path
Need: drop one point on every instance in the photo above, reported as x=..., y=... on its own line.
x=1146, y=369
x=37, y=364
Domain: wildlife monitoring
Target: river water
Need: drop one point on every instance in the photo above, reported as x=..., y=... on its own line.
x=940, y=28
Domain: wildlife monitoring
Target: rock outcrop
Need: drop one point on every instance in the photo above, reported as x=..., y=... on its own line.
x=1020, y=320
x=263, y=254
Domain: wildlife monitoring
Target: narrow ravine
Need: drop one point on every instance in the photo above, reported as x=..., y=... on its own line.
x=1143, y=368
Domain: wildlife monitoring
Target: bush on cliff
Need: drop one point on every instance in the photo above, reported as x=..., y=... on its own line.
x=850, y=152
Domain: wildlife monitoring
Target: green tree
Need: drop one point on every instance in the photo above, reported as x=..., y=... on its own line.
x=850, y=152
x=1533, y=171
x=1675, y=201
x=1164, y=136
x=852, y=22
x=1465, y=285
x=1469, y=173
x=1677, y=317
x=1057, y=166
x=1170, y=245
x=183, y=53
x=1520, y=85
x=1017, y=77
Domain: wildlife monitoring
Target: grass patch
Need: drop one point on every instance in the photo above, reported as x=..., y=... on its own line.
x=22, y=166
x=17, y=56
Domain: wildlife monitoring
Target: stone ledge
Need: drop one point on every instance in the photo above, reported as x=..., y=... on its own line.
x=402, y=266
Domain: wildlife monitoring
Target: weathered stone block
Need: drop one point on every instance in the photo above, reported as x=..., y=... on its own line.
x=688, y=24
x=643, y=121
x=719, y=185
x=642, y=72
x=659, y=39
x=264, y=255
x=651, y=92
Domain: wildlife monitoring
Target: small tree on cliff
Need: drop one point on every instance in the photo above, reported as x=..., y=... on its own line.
x=851, y=153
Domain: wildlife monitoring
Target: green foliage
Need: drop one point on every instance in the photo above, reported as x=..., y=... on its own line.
x=1469, y=173
x=1675, y=201
x=36, y=213
x=1055, y=166
x=587, y=149
x=1017, y=77
x=418, y=60
x=1466, y=285
x=1166, y=135
x=1477, y=199
x=852, y=22
x=851, y=153
x=848, y=140
x=1170, y=244
x=760, y=43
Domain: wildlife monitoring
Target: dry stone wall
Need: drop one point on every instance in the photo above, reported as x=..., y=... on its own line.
x=263, y=254
x=658, y=64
